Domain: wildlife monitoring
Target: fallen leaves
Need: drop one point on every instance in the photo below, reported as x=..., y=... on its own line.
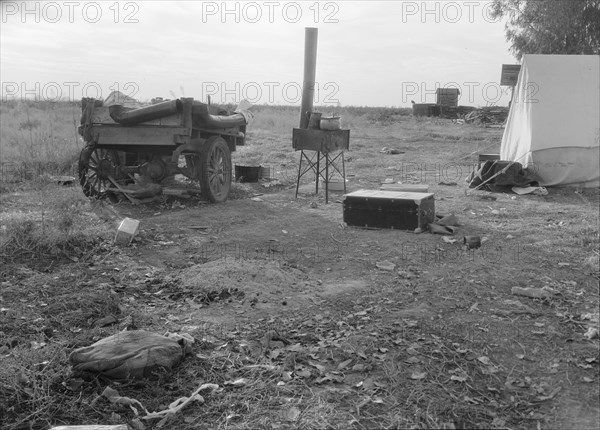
x=241, y=382
x=290, y=414
x=458, y=378
x=344, y=364
x=418, y=375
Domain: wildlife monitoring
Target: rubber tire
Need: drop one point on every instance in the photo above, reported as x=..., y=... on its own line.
x=216, y=171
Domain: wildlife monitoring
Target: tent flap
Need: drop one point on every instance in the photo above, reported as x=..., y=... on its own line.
x=553, y=126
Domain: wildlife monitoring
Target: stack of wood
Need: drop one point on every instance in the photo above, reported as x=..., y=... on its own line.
x=487, y=115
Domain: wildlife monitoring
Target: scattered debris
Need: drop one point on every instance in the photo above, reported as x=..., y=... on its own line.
x=536, y=293
x=538, y=191
x=127, y=231
x=143, y=191
x=385, y=265
x=270, y=183
x=472, y=242
x=487, y=115
x=446, y=225
x=391, y=151
x=179, y=404
x=113, y=396
x=237, y=383
x=176, y=192
x=106, y=321
x=290, y=414
x=63, y=180
x=500, y=176
x=448, y=221
x=591, y=333
x=418, y=375
x=516, y=307
x=93, y=427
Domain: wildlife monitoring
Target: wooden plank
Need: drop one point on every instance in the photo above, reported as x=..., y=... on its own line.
x=101, y=115
x=107, y=134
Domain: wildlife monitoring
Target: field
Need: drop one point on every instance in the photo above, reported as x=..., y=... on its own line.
x=300, y=320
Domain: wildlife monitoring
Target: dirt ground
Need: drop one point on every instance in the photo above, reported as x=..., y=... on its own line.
x=436, y=339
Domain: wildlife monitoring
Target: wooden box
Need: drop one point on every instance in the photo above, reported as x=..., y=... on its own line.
x=396, y=210
x=320, y=140
x=488, y=157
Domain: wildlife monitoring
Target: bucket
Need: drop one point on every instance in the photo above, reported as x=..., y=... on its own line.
x=332, y=123
x=247, y=173
x=314, y=120
x=264, y=173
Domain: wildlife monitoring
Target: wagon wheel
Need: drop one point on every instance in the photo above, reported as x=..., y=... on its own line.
x=95, y=168
x=215, y=174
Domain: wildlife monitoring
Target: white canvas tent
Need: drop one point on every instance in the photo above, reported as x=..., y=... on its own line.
x=553, y=127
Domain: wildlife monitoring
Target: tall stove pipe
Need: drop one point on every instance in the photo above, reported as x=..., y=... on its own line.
x=310, y=67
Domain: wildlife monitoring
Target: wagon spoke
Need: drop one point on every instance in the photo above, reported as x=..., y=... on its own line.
x=95, y=166
x=215, y=177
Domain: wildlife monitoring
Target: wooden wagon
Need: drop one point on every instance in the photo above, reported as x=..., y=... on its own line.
x=181, y=136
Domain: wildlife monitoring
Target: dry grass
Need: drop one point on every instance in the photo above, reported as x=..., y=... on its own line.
x=38, y=139
x=355, y=360
x=51, y=223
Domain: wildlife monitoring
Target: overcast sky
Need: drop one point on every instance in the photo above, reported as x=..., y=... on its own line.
x=369, y=53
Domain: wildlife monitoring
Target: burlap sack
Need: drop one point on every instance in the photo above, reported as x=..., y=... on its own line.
x=129, y=354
